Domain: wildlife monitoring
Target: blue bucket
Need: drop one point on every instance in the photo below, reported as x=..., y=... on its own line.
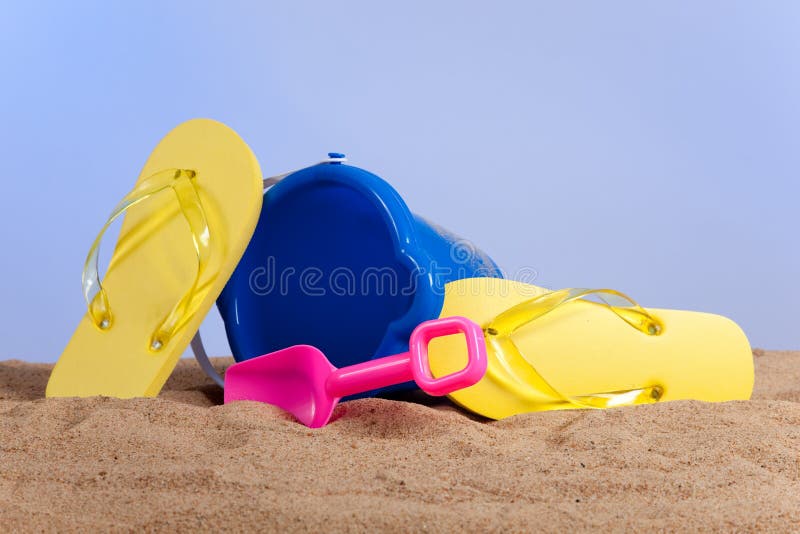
x=339, y=262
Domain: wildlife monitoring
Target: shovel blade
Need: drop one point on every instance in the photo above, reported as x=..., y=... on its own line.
x=292, y=379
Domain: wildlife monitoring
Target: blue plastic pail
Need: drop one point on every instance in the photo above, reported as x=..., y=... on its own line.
x=338, y=261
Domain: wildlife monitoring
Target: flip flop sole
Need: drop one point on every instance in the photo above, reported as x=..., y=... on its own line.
x=155, y=262
x=582, y=348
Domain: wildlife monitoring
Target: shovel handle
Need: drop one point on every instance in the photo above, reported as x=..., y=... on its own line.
x=413, y=364
x=476, y=355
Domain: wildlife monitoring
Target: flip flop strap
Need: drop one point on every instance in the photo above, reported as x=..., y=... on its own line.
x=181, y=183
x=498, y=335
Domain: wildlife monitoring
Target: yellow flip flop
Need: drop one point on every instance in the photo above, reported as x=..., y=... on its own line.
x=554, y=350
x=186, y=224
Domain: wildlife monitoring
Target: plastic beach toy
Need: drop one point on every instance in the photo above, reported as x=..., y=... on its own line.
x=551, y=350
x=302, y=381
x=186, y=223
x=339, y=262
x=336, y=226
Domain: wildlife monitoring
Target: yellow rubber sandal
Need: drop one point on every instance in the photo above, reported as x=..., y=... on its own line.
x=186, y=224
x=555, y=350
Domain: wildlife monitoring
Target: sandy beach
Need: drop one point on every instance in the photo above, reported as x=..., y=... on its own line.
x=183, y=461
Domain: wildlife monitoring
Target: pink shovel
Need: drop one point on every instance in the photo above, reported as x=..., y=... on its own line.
x=302, y=381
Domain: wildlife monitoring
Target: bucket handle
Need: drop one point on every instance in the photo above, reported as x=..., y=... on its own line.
x=198, y=349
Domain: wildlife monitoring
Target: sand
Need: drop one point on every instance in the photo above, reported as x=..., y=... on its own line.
x=184, y=462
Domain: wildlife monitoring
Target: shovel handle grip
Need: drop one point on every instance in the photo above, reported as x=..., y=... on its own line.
x=476, y=355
